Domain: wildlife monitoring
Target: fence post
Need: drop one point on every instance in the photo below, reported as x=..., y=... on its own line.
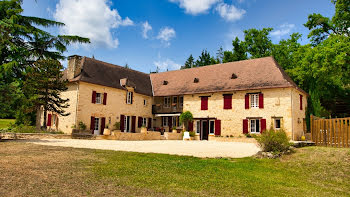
x=324, y=132
x=311, y=127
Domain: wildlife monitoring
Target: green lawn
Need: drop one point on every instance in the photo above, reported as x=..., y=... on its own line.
x=29, y=169
x=4, y=123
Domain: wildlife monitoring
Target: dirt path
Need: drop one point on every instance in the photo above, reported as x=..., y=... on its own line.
x=189, y=148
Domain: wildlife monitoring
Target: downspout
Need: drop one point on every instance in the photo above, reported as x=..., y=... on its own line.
x=291, y=92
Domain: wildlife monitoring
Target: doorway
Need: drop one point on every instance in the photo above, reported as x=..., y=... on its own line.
x=127, y=124
x=97, y=126
x=204, y=130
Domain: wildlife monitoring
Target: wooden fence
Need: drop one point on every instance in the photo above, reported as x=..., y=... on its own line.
x=330, y=132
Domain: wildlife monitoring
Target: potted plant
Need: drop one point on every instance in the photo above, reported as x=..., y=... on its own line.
x=174, y=130
x=185, y=118
x=143, y=129
x=106, y=131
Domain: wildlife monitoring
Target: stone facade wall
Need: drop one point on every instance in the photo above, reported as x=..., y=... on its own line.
x=116, y=105
x=298, y=115
x=131, y=136
x=277, y=103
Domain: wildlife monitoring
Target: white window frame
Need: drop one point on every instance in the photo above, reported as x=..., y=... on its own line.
x=253, y=128
x=144, y=122
x=98, y=98
x=126, y=125
x=210, y=127
x=167, y=102
x=54, y=117
x=181, y=101
x=165, y=121
x=275, y=121
x=198, y=127
x=129, y=97
x=254, y=100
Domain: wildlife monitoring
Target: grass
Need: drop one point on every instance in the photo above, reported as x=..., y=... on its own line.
x=28, y=169
x=4, y=123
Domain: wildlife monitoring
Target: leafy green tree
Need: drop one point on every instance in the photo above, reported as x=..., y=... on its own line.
x=185, y=118
x=220, y=55
x=44, y=84
x=239, y=52
x=205, y=59
x=258, y=42
x=322, y=27
x=285, y=51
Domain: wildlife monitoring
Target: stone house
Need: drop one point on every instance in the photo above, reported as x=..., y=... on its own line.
x=231, y=99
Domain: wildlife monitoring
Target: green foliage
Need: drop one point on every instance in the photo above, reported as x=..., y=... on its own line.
x=274, y=141
x=186, y=117
x=82, y=126
x=189, y=63
x=116, y=125
x=258, y=42
x=192, y=134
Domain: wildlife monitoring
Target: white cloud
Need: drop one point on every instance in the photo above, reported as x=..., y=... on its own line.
x=166, y=34
x=195, y=7
x=93, y=19
x=167, y=64
x=283, y=30
x=146, y=27
x=229, y=12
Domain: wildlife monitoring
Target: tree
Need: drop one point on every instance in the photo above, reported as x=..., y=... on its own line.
x=258, y=42
x=238, y=53
x=285, y=51
x=205, y=59
x=22, y=42
x=322, y=27
x=185, y=118
x=44, y=84
x=189, y=63
x=220, y=55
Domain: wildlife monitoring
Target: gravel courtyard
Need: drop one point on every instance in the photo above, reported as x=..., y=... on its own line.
x=189, y=148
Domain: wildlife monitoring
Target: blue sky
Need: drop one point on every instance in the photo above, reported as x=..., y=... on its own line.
x=150, y=33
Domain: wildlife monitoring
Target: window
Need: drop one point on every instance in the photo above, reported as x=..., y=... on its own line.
x=54, y=117
x=97, y=124
x=277, y=123
x=198, y=126
x=181, y=101
x=129, y=98
x=165, y=121
x=174, y=102
x=127, y=124
x=144, y=102
x=254, y=126
x=144, y=122
x=301, y=102
x=211, y=127
x=175, y=121
x=98, y=98
x=167, y=102
x=254, y=103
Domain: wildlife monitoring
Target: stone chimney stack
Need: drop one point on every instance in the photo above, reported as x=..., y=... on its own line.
x=74, y=66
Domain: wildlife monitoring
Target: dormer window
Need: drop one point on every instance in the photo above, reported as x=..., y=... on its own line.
x=234, y=76
x=196, y=80
x=165, y=83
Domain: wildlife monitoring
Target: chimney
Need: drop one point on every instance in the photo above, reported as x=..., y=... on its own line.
x=74, y=66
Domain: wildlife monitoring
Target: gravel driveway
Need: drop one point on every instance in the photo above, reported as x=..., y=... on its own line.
x=189, y=148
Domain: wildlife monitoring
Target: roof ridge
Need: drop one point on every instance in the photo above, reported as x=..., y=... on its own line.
x=202, y=67
x=113, y=65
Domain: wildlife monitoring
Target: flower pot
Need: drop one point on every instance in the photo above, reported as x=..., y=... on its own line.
x=186, y=136
x=303, y=138
x=174, y=131
x=106, y=132
x=143, y=130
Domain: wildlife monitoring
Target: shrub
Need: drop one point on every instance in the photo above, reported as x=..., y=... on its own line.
x=192, y=134
x=82, y=126
x=186, y=117
x=117, y=125
x=274, y=141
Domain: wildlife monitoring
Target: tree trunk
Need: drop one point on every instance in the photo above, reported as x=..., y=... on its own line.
x=45, y=114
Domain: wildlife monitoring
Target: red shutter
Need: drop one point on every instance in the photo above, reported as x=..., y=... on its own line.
x=104, y=98
x=133, y=124
x=301, y=102
x=103, y=125
x=170, y=123
x=93, y=99
x=245, y=126
x=227, y=101
x=92, y=124
x=149, y=123
x=247, y=101
x=139, y=122
x=48, y=120
x=190, y=125
x=122, y=122
x=204, y=103
x=217, y=127
x=261, y=100
x=263, y=125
